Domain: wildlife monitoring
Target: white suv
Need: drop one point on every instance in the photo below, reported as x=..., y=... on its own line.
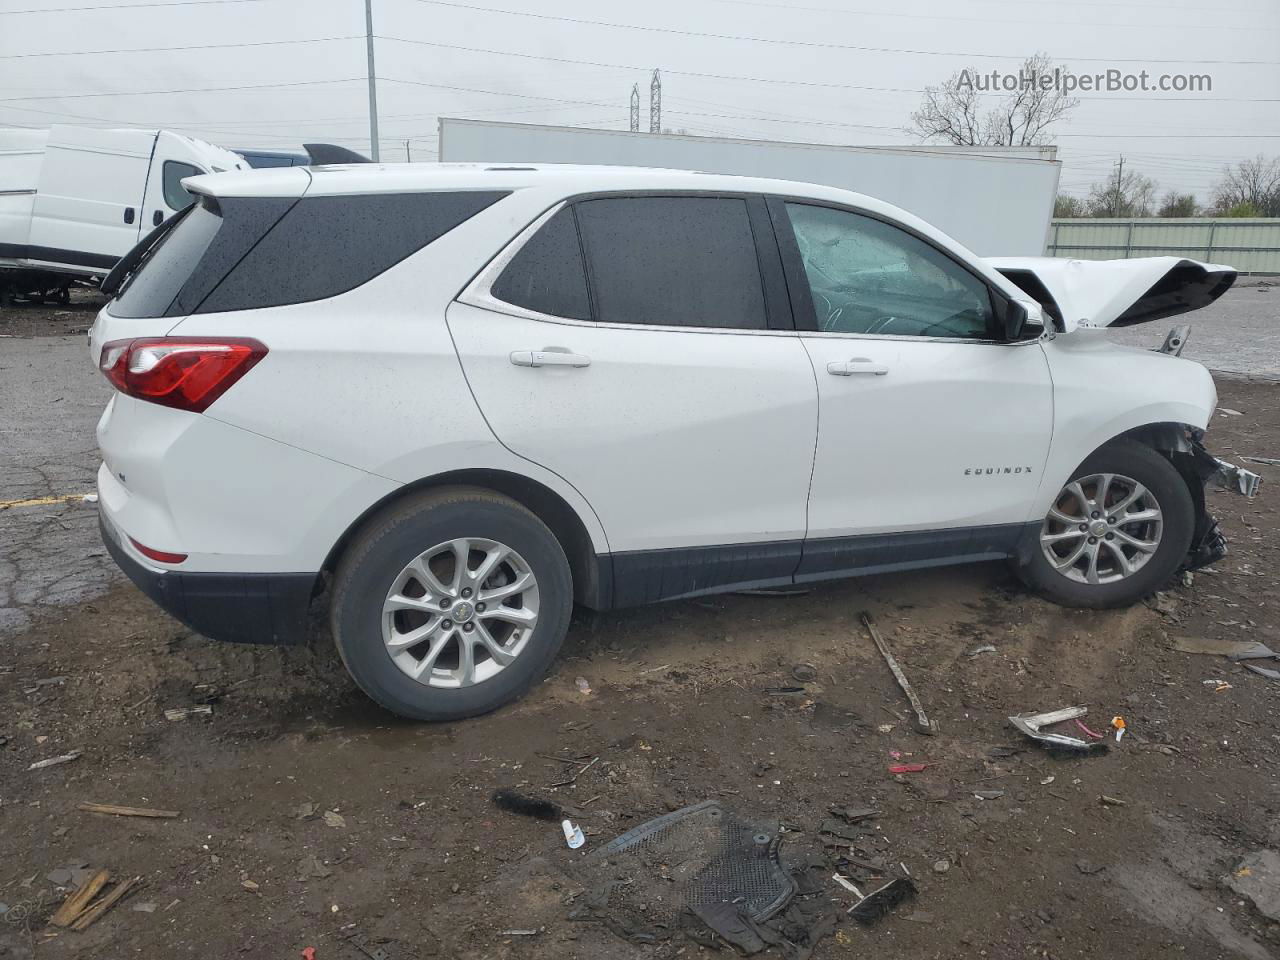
x=463, y=398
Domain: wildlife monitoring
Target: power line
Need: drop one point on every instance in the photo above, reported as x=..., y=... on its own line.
x=130, y=6
x=785, y=82
x=195, y=46
x=817, y=43
x=148, y=93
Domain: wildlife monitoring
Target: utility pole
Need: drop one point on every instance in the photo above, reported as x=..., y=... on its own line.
x=655, y=102
x=635, y=108
x=1116, y=193
x=373, y=82
x=407, y=158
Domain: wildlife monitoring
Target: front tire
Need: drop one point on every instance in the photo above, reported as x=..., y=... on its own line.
x=451, y=603
x=1117, y=532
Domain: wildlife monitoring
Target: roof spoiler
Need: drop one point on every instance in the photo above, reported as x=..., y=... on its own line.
x=324, y=153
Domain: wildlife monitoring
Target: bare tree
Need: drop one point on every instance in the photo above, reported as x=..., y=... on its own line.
x=1067, y=206
x=1178, y=205
x=954, y=112
x=1250, y=185
x=1123, y=195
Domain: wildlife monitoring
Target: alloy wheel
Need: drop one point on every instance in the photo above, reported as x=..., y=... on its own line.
x=1102, y=528
x=460, y=613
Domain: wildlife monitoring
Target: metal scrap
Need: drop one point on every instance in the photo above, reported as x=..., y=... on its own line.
x=922, y=723
x=1227, y=474
x=1032, y=725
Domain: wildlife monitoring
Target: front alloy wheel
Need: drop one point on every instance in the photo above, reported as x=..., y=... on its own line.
x=1102, y=528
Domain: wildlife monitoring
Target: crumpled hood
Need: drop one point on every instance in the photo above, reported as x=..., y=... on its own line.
x=1106, y=293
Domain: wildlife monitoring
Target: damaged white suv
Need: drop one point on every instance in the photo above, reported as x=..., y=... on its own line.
x=452, y=401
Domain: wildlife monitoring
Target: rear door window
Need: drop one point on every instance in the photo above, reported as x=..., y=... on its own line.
x=325, y=246
x=547, y=274
x=673, y=261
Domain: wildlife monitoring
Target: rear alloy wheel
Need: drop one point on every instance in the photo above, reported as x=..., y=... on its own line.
x=450, y=603
x=1117, y=531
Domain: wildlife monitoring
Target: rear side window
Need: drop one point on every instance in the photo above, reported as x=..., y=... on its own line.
x=325, y=246
x=547, y=274
x=673, y=261
x=175, y=194
x=150, y=290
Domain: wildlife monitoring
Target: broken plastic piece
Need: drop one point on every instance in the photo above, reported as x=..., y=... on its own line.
x=572, y=834
x=879, y=902
x=1033, y=724
x=1119, y=725
x=908, y=767
x=1230, y=476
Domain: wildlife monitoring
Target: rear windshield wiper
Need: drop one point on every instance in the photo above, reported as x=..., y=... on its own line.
x=127, y=265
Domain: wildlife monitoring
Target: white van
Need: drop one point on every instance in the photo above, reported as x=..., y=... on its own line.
x=73, y=200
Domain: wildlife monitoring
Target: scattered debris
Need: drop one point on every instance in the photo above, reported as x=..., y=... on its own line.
x=334, y=819
x=1118, y=724
x=988, y=794
x=1268, y=461
x=584, y=688
x=307, y=811
x=1230, y=413
x=182, y=713
x=76, y=904
x=732, y=923
x=805, y=672
x=311, y=868
x=1112, y=801
x=1087, y=732
x=785, y=691
x=518, y=933
x=1228, y=475
x=923, y=724
x=942, y=866
x=249, y=885
x=1089, y=868
x=572, y=834
x=1257, y=877
x=308, y=953
x=978, y=651
x=879, y=902
x=513, y=801
x=854, y=814
x=144, y=908
x=115, y=811
x=1219, y=686
x=847, y=885
x=1262, y=671
x=585, y=766
x=54, y=761
x=1033, y=724
x=1231, y=649
x=908, y=767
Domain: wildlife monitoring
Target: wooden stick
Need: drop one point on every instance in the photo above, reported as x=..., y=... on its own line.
x=94, y=913
x=111, y=808
x=74, y=905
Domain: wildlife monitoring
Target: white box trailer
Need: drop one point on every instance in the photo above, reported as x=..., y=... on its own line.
x=997, y=201
x=73, y=200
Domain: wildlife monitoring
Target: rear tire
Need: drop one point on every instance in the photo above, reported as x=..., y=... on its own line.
x=430, y=632
x=1140, y=530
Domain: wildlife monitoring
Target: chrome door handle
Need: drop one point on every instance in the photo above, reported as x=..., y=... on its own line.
x=549, y=357
x=847, y=368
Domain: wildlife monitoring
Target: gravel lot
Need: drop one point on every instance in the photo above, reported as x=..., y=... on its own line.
x=293, y=764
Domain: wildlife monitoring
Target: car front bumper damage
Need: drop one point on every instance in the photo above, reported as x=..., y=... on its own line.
x=1209, y=544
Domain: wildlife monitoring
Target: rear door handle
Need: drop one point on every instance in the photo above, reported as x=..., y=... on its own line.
x=549, y=357
x=847, y=368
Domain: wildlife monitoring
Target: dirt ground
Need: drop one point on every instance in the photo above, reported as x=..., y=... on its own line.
x=294, y=764
x=51, y=319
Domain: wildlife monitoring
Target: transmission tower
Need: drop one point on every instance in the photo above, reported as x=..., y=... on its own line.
x=655, y=102
x=635, y=108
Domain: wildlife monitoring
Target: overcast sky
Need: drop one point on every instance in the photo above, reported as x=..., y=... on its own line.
x=792, y=71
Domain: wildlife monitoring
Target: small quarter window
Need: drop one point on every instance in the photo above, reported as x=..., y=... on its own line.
x=868, y=276
x=547, y=274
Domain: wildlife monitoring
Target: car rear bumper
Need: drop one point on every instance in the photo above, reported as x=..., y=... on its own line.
x=236, y=607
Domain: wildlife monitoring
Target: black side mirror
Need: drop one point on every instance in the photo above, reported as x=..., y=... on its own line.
x=1011, y=319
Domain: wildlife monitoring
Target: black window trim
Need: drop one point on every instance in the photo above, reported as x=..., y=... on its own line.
x=798, y=283
x=769, y=262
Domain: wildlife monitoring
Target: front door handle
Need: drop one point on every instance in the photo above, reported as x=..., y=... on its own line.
x=847, y=368
x=549, y=357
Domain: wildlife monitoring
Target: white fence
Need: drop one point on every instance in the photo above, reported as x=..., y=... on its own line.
x=1251, y=246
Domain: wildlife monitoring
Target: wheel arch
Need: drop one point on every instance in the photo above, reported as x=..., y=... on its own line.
x=591, y=571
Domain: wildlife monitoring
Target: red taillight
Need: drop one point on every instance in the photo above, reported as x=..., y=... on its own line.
x=188, y=373
x=159, y=555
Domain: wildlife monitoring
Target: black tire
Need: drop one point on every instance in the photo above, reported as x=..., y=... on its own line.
x=1143, y=464
x=392, y=539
